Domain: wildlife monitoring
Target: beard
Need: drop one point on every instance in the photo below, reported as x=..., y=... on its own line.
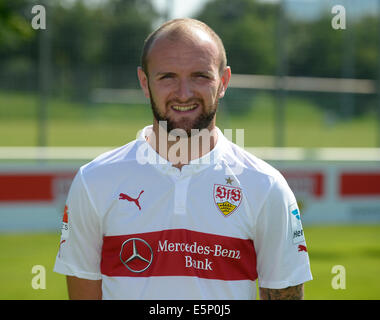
x=203, y=121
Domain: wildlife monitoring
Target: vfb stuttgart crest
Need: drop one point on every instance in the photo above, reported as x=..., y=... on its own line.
x=227, y=198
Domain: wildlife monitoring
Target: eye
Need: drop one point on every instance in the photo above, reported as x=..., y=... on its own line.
x=202, y=75
x=167, y=76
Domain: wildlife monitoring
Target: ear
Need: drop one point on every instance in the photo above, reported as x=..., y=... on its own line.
x=143, y=79
x=225, y=80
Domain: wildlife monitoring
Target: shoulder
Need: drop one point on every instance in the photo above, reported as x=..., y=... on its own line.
x=108, y=161
x=260, y=181
x=249, y=165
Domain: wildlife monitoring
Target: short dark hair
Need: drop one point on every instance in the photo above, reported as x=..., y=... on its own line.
x=177, y=26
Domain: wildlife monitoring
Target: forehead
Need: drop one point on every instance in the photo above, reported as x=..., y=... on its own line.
x=195, y=49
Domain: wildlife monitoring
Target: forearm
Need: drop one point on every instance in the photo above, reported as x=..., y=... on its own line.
x=290, y=293
x=83, y=289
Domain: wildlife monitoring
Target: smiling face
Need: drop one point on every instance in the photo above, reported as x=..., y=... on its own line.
x=184, y=82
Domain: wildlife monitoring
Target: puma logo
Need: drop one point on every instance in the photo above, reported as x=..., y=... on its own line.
x=302, y=248
x=123, y=196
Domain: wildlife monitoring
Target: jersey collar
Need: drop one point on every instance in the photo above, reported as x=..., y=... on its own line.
x=210, y=159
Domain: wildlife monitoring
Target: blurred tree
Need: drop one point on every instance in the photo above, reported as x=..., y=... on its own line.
x=99, y=45
x=367, y=47
x=77, y=36
x=14, y=25
x=247, y=29
x=315, y=49
x=77, y=31
x=128, y=22
x=16, y=45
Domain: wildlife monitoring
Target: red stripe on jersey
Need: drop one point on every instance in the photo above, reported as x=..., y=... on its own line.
x=179, y=252
x=360, y=184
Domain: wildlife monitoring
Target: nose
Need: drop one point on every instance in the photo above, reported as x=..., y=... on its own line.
x=184, y=90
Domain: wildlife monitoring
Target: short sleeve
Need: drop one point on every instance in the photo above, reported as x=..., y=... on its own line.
x=281, y=252
x=81, y=237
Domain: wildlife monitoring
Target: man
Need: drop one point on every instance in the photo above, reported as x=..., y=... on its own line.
x=181, y=212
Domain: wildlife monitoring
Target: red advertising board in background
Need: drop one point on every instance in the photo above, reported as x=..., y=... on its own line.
x=326, y=193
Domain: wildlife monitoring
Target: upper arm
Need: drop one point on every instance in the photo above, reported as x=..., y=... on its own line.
x=84, y=289
x=290, y=293
x=80, y=247
x=282, y=258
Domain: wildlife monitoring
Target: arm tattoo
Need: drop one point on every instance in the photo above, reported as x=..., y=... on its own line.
x=290, y=293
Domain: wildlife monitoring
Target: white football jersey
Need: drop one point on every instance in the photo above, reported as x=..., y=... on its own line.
x=208, y=231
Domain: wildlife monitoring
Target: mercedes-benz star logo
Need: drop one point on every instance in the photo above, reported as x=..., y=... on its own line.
x=135, y=254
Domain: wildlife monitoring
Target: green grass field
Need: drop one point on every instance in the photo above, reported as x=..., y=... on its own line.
x=73, y=124
x=356, y=248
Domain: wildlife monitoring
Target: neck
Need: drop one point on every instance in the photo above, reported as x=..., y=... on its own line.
x=180, y=150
